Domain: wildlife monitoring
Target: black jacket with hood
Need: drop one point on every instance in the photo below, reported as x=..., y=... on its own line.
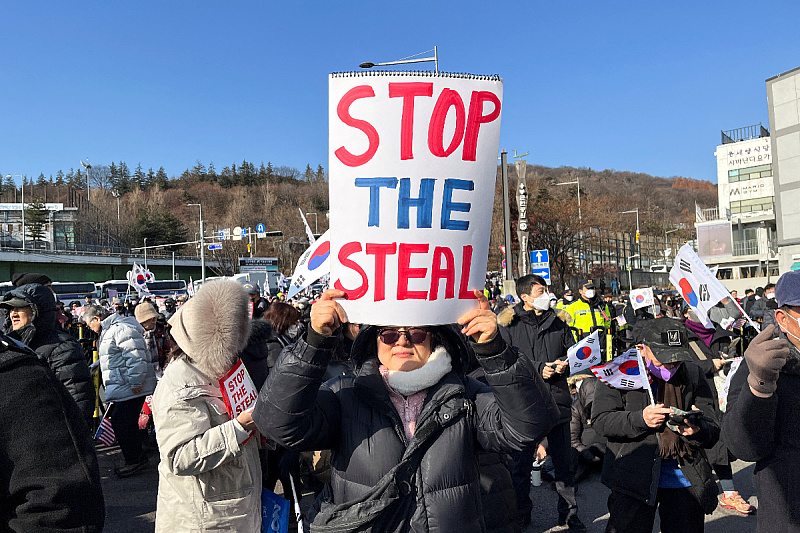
x=63, y=354
x=541, y=339
x=49, y=478
x=355, y=418
x=632, y=465
x=767, y=431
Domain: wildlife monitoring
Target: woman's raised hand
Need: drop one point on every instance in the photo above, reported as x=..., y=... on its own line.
x=481, y=323
x=326, y=313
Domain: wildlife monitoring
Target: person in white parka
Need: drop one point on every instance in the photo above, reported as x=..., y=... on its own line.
x=210, y=474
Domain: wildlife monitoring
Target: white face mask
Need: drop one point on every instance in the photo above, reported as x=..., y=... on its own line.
x=770, y=296
x=787, y=332
x=589, y=294
x=568, y=297
x=542, y=302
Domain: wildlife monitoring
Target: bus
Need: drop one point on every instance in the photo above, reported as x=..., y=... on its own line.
x=163, y=288
x=67, y=291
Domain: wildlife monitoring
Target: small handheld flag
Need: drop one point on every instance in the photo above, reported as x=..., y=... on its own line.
x=584, y=354
x=624, y=372
x=105, y=431
x=312, y=265
x=642, y=298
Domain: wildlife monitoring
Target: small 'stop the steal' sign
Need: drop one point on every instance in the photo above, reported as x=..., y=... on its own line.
x=413, y=165
x=238, y=390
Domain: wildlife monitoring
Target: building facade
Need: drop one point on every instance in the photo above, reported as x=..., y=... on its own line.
x=783, y=101
x=739, y=235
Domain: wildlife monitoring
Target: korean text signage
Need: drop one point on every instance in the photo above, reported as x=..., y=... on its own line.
x=413, y=160
x=258, y=264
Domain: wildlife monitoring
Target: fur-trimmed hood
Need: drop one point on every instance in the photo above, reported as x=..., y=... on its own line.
x=506, y=316
x=213, y=326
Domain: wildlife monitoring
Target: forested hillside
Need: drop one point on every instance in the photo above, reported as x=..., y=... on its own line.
x=128, y=206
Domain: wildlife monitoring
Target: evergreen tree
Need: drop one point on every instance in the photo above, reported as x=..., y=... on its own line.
x=9, y=184
x=212, y=173
x=150, y=179
x=308, y=175
x=160, y=227
x=36, y=218
x=124, y=181
x=139, y=179
x=199, y=171
x=113, y=172
x=41, y=181
x=50, y=181
x=247, y=174
x=60, y=178
x=270, y=171
x=225, y=179
x=162, y=181
x=320, y=175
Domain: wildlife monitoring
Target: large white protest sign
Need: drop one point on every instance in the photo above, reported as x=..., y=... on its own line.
x=413, y=164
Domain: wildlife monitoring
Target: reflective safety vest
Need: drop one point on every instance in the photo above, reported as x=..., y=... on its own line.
x=584, y=318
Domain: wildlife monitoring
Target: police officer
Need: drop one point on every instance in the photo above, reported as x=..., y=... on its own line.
x=590, y=312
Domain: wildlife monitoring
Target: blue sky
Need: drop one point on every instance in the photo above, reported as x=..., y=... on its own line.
x=636, y=86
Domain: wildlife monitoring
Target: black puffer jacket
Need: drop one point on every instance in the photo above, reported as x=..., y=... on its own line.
x=582, y=433
x=355, y=418
x=57, y=348
x=767, y=431
x=49, y=478
x=632, y=464
x=541, y=339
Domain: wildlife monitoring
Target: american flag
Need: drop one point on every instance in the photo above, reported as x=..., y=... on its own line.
x=105, y=432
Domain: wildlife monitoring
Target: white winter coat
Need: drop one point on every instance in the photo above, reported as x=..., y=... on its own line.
x=124, y=359
x=208, y=481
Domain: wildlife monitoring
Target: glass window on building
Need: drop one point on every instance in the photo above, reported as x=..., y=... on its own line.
x=752, y=205
x=725, y=273
x=750, y=173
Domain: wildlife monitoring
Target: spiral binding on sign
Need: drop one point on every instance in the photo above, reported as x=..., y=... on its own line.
x=428, y=73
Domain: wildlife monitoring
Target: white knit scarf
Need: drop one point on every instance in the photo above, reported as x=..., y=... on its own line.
x=429, y=374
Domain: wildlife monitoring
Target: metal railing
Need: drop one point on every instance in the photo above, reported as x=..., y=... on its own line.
x=752, y=247
x=743, y=134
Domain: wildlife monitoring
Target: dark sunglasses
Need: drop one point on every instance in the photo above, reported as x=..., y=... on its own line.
x=412, y=335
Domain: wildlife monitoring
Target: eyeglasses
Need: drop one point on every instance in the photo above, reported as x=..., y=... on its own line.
x=412, y=335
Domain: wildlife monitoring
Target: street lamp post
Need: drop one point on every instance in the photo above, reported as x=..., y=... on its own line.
x=202, y=245
x=638, y=244
x=666, y=243
x=88, y=168
x=630, y=282
x=23, y=206
x=435, y=59
x=145, y=252
x=316, y=228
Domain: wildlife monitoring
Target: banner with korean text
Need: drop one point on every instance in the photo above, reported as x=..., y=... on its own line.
x=412, y=165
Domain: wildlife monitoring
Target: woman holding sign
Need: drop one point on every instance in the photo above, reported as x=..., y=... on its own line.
x=406, y=429
x=209, y=474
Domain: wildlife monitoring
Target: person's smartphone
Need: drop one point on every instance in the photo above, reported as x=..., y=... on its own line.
x=680, y=417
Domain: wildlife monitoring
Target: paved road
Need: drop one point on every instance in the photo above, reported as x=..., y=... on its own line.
x=592, y=496
x=131, y=502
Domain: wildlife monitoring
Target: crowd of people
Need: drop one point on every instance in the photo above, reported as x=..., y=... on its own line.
x=397, y=427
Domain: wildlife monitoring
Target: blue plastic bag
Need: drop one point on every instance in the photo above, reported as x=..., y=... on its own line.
x=274, y=513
